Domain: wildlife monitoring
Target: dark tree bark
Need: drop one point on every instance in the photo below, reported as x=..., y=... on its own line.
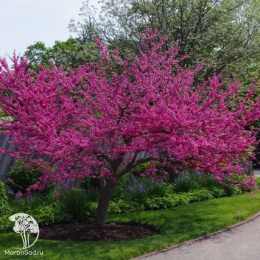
x=106, y=193
x=108, y=186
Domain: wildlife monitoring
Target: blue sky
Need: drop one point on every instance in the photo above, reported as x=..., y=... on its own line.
x=24, y=22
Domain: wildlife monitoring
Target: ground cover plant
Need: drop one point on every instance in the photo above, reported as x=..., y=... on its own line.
x=103, y=120
x=130, y=196
x=175, y=225
x=4, y=207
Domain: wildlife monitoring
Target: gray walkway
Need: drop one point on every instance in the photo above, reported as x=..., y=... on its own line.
x=257, y=172
x=239, y=242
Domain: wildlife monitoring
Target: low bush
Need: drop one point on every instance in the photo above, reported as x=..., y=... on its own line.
x=22, y=175
x=258, y=182
x=5, y=223
x=217, y=192
x=166, y=202
x=187, y=181
x=134, y=188
x=26, y=202
x=45, y=215
x=49, y=214
x=231, y=190
x=91, y=208
x=129, y=206
x=209, y=181
x=91, y=186
x=114, y=208
x=158, y=202
x=4, y=206
x=73, y=202
x=130, y=196
x=200, y=195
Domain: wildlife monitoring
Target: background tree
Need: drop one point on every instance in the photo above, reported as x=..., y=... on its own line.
x=224, y=33
x=96, y=120
x=69, y=54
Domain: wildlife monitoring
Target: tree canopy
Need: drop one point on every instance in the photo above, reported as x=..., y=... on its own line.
x=68, y=54
x=97, y=119
x=224, y=33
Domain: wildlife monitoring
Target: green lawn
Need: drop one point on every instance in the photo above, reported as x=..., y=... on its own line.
x=176, y=225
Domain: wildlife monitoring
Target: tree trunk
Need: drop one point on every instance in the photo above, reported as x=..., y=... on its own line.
x=172, y=175
x=106, y=194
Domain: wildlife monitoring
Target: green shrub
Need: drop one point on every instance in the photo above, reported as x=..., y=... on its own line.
x=167, y=202
x=4, y=207
x=158, y=188
x=5, y=223
x=43, y=214
x=91, y=208
x=129, y=206
x=190, y=181
x=23, y=175
x=91, y=186
x=49, y=214
x=231, y=190
x=174, y=200
x=182, y=199
x=73, y=202
x=187, y=181
x=258, y=182
x=200, y=195
x=209, y=181
x=114, y=208
x=151, y=203
x=131, y=188
x=231, y=183
x=134, y=188
x=217, y=192
x=31, y=202
x=139, y=169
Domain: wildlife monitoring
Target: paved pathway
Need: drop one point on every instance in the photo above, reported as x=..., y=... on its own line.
x=257, y=172
x=239, y=242
x=236, y=243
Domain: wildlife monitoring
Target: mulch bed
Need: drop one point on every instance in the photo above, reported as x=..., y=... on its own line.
x=85, y=231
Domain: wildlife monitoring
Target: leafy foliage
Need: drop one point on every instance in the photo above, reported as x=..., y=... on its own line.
x=73, y=202
x=92, y=186
x=68, y=54
x=23, y=175
x=135, y=188
x=43, y=207
x=176, y=225
x=224, y=33
x=4, y=207
x=258, y=182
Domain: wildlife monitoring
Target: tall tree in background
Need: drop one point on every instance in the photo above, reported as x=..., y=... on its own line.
x=68, y=54
x=224, y=33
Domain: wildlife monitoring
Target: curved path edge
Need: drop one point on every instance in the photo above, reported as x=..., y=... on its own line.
x=192, y=241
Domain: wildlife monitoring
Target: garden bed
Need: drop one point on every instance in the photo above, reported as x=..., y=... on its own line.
x=85, y=231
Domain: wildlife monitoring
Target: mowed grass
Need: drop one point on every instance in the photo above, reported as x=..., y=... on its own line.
x=176, y=225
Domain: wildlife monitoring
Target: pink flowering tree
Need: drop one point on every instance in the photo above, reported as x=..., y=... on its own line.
x=97, y=119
